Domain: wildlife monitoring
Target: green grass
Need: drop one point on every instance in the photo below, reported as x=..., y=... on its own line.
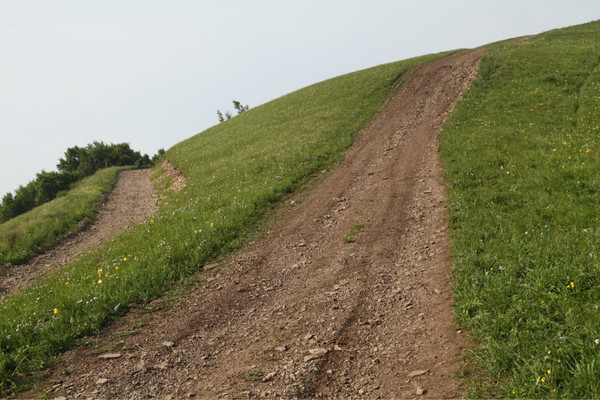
x=521, y=153
x=351, y=237
x=235, y=172
x=28, y=234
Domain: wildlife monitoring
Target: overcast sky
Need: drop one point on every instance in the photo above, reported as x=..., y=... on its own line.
x=154, y=72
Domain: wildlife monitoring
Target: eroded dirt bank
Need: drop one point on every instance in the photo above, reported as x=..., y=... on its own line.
x=131, y=201
x=349, y=296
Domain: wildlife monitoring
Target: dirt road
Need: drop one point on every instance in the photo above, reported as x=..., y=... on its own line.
x=131, y=201
x=349, y=296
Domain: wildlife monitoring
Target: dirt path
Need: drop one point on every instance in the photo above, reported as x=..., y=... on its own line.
x=349, y=296
x=131, y=201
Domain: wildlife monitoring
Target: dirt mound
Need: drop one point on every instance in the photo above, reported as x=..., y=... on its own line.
x=349, y=296
x=131, y=201
x=178, y=181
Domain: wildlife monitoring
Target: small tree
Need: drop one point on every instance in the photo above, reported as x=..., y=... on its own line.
x=237, y=105
x=158, y=156
x=240, y=108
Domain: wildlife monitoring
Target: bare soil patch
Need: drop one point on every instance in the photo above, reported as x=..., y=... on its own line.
x=131, y=201
x=349, y=296
x=178, y=181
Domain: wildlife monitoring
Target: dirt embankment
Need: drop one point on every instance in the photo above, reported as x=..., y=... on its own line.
x=131, y=201
x=349, y=296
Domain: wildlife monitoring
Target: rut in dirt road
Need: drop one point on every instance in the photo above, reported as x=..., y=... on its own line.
x=348, y=296
x=131, y=201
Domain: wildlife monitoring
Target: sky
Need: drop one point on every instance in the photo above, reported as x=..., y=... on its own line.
x=154, y=72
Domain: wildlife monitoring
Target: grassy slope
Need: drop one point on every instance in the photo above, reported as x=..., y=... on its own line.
x=235, y=171
x=521, y=156
x=23, y=236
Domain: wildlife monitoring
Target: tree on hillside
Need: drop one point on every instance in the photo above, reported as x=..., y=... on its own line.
x=237, y=105
x=7, y=210
x=158, y=156
x=49, y=184
x=77, y=163
x=84, y=161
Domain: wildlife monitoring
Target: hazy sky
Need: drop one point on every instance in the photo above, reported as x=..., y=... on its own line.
x=154, y=72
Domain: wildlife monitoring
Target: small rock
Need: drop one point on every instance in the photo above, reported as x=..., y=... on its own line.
x=418, y=373
x=437, y=291
x=311, y=357
x=330, y=371
x=110, y=356
x=281, y=349
x=141, y=365
x=101, y=381
x=269, y=376
x=162, y=365
x=337, y=348
x=168, y=344
x=319, y=351
x=308, y=336
x=420, y=391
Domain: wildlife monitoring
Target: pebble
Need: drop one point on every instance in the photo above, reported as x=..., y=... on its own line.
x=162, y=365
x=168, y=344
x=269, y=376
x=418, y=373
x=141, y=365
x=101, y=381
x=110, y=356
x=420, y=391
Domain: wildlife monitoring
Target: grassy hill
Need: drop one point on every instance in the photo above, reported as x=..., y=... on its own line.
x=521, y=153
x=235, y=171
x=521, y=159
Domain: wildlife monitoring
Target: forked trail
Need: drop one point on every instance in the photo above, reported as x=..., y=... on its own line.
x=348, y=296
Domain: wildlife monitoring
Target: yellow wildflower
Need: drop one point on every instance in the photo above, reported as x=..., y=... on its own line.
x=55, y=311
